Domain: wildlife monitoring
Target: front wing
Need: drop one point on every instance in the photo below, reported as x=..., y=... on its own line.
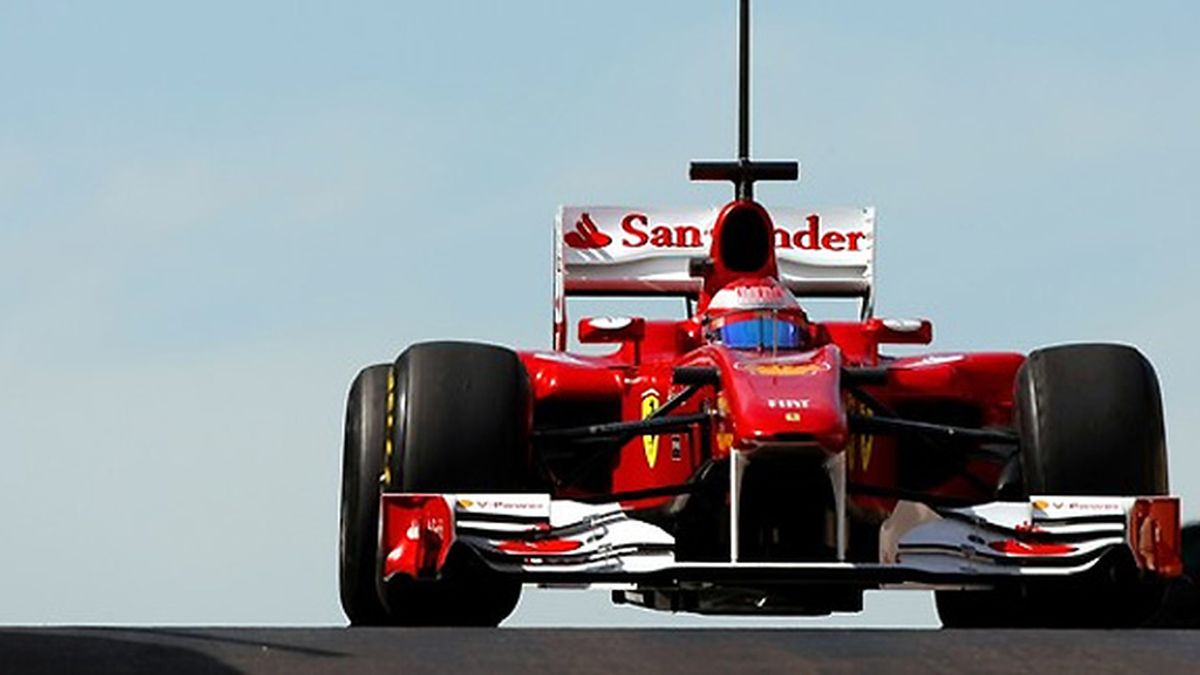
x=562, y=542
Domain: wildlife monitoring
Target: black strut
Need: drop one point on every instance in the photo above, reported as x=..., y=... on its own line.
x=656, y=425
x=869, y=424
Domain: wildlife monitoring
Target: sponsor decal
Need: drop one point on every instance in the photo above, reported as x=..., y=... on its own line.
x=788, y=403
x=676, y=448
x=785, y=369
x=499, y=505
x=724, y=441
x=723, y=436
x=810, y=237
x=638, y=232
x=759, y=296
x=860, y=446
x=1086, y=506
x=650, y=403
x=1093, y=506
x=586, y=234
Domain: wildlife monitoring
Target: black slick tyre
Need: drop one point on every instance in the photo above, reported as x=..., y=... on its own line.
x=362, y=465
x=1089, y=418
x=462, y=421
x=1090, y=421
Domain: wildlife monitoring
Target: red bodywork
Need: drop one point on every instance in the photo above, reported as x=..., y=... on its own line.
x=769, y=402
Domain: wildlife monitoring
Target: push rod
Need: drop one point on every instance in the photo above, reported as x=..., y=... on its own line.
x=869, y=424
x=655, y=425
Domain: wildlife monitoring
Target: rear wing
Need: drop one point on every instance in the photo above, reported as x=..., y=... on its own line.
x=618, y=251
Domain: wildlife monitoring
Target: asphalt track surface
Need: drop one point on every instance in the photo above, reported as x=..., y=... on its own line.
x=184, y=651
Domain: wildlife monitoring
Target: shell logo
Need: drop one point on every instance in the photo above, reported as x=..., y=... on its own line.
x=724, y=442
x=788, y=369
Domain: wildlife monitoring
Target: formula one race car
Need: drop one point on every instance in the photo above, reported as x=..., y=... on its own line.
x=746, y=458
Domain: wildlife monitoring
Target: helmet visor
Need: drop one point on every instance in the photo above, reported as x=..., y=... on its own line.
x=761, y=332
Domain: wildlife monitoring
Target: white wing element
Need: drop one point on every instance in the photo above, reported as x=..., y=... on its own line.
x=566, y=542
x=629, y=250
x=615, y=251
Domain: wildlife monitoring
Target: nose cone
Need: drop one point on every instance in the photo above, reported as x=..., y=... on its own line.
x=792, y=400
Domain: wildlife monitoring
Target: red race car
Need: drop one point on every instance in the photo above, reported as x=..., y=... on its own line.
x=746, y=458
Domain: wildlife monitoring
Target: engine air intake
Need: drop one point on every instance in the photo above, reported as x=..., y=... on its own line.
x=745, y=243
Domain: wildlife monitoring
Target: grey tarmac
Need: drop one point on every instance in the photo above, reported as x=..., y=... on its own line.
x=186, y=650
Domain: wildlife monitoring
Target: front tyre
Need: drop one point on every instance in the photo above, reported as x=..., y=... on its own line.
x=1090, y=422
x=462, y=423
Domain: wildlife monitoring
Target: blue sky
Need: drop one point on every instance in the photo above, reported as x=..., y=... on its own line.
x=212, y=216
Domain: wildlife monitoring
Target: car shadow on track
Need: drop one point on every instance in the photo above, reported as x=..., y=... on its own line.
x=35, y=652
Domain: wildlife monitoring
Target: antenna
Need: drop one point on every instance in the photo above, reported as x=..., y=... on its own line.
x=743, y=172
x=744, y=82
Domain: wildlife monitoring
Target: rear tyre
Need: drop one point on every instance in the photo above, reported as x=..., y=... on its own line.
x=362, y=465
x=1090, y=422
x=462, y=424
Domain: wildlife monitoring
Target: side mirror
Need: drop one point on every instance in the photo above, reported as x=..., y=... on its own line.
x=901, y=331
x=600, y=329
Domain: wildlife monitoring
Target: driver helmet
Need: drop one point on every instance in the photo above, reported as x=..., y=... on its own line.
x=756, y=314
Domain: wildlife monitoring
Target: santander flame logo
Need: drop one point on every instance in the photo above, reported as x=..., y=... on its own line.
x=586, y=234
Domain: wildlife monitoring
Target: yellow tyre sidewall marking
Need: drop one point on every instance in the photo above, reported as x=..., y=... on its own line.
x=386, y=477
